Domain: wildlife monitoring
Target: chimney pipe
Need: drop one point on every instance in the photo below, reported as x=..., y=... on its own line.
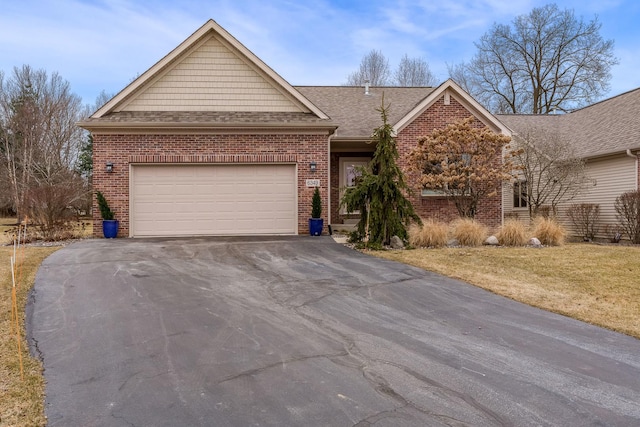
x=366, y=87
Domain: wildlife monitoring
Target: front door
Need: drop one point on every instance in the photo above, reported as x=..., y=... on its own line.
x=349, y=173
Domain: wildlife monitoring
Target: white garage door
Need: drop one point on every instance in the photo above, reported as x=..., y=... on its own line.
x=192, y=200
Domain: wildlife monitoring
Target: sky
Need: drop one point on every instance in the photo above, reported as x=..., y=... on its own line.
x=103, y=45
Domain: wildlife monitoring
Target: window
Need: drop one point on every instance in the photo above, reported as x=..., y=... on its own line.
x=520, y=194
x=434, y=168
x=352, y=174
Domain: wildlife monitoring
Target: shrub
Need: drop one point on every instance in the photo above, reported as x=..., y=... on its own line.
x=584, y=217
x=628, y=209
x=105, y=211
x=469, y=232
x=431, y=234
x=51, y=211
x=316, y=204
x=613, y=233
x=513, y=233
x=549, y=231
x=545, y=211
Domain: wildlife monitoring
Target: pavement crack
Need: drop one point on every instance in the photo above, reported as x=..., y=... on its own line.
x=492, y=415
x=125, y=382
x=256, y=371
x=123, y=419
x=372, y=420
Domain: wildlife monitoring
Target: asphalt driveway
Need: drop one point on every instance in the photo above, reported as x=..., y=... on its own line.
x=301, y=331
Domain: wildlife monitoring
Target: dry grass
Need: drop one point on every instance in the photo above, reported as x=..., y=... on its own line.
x=21, y=401
x=432, y=234
x=513, y=233
x=468, y=232
x=7, y=227
x=549, y=231
x=593, y=283
x=80, y=229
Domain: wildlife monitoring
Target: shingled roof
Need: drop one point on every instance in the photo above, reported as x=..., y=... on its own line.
x=355, y=112
x=607, y=127
x=207, y=118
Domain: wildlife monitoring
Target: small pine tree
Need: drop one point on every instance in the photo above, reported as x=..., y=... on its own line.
x=105, y=210
x=380, y=192
x=316, y=204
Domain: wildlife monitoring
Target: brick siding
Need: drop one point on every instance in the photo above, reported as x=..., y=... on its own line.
x=438, y=116
x=125, y=149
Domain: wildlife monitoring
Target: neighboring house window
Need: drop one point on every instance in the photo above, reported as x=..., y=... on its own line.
x=520, y=194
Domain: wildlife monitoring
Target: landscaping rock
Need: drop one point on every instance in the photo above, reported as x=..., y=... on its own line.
x=396, y=243
x=492, y=241
x=535, y=242
x=452, y=243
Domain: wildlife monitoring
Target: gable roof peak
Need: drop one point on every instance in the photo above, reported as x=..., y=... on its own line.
x=212, y=29
x=447, y=88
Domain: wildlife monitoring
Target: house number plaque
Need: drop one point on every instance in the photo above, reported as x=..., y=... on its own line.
x=313, y=183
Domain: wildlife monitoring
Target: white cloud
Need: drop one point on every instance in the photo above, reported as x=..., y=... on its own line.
x=103, y=44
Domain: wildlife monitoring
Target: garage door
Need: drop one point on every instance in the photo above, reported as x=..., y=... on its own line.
x=192, y=200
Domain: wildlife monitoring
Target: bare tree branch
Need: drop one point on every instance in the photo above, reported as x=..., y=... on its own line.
x=553, y=170
x=39, y=139
x=413, y=72
x=374, y=67
x=547, y=60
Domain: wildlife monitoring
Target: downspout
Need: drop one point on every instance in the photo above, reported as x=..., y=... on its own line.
x=630, y=154
x=331, y=135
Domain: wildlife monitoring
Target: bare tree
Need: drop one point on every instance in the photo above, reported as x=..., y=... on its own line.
x=414, y=72
x=552, y=170
x=102, y=98
x=38, y=135
x=548, y=60
x=374, y=67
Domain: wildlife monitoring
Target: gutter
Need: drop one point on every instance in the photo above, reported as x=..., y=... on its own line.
x=333, y=134
x=630, y=154
x=91, y=125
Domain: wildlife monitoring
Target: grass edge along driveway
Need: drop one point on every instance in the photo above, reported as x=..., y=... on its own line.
x=597, y=284
x=21, y=401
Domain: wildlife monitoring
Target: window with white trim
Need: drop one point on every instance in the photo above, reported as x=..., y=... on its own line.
x=520, y=194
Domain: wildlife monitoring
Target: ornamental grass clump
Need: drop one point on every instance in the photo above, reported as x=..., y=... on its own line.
x=549, y=231
x=513, y=233
x=468, y=232
x=432, y=234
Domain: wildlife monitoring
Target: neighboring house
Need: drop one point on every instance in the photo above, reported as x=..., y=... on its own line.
x=607, y=137
x=211, y=141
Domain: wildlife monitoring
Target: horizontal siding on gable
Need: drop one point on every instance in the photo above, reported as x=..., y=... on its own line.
x=212, y=78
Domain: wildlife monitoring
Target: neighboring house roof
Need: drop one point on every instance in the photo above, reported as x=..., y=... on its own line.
x=356, y=113
x=607, y=127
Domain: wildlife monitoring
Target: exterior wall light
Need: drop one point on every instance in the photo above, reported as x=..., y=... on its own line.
x=313, y=166
x=109, y=167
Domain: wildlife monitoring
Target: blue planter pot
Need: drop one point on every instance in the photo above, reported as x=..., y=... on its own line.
x=315, y=226
x=110, y=228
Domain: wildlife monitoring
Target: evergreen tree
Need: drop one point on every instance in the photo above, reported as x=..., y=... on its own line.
x=84, y=163
x=379, y=194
